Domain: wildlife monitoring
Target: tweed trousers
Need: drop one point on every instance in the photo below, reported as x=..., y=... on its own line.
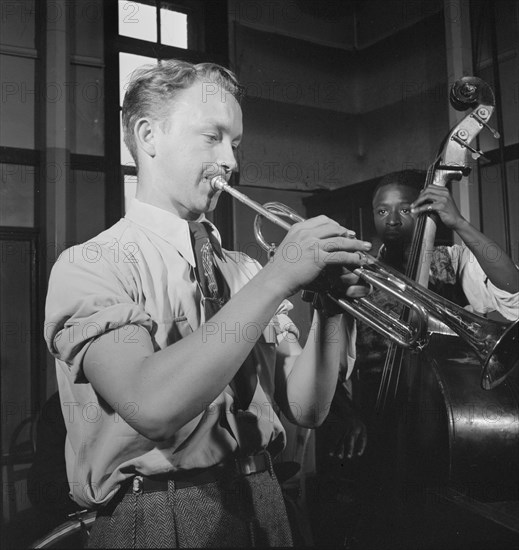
x=242, y=512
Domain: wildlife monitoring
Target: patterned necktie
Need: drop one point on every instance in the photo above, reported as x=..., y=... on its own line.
x=216, y=293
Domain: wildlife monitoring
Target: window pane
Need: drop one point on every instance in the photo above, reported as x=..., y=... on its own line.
x=493, y=225
x=17, y=105
x=87, y=97
x=507, y=73
x=138, y=20
x=130, y=188
x=493, y=222
x=16, y=289
x=17, y=195
x=173, y=28
x=17, y=23
x=89, y=202
x=512, y=168
x=87, y=19
x=128, y=62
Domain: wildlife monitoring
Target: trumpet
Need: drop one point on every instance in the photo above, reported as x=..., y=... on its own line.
x=494, y=342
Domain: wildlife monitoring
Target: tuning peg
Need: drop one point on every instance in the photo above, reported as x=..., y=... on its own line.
x=484, y=113
x=475, y=153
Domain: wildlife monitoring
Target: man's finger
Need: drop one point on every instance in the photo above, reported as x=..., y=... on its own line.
x=349, y=279
x=350, y=445
x=341, y=257
x=358, y=291
x=340, y=243
x=362, y=442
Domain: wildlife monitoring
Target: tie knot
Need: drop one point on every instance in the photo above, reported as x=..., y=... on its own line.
x=198, y=230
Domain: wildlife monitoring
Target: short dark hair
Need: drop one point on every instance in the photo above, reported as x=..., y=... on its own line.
x=153, y=87
x=415, y=179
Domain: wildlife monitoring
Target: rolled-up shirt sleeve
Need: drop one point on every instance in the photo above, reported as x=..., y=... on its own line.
x=86, y=299
x=482, y=295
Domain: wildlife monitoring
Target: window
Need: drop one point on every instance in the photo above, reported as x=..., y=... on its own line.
x=17, y=195
x=166, y=25
x=21, y=233
x=494, y=36
x=138, y=20
x=173, y=28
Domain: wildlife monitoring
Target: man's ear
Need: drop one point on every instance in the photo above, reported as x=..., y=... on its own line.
x=145, y=136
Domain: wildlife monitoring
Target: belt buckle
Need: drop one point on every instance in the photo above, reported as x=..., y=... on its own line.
x=138, y=485
x=245, y=465
x=250, y=464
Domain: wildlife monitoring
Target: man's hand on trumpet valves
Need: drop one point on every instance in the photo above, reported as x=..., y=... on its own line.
x=313, y=245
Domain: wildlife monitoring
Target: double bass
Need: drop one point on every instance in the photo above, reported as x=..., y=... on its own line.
x=452, y=432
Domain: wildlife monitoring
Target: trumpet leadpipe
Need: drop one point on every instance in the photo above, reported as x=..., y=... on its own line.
x=219, y=184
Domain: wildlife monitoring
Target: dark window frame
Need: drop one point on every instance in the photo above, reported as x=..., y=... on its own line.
x=35, y=235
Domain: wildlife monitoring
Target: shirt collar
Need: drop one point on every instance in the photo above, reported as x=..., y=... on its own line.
x=168, y=226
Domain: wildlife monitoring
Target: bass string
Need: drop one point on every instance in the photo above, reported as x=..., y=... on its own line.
x=392, y=368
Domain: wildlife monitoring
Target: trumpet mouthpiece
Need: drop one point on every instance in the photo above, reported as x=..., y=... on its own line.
x=218, y=183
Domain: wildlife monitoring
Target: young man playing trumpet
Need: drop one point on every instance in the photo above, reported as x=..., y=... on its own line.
x=176, y=355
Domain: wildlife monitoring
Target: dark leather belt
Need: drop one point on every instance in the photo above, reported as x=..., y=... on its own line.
x=234, y=468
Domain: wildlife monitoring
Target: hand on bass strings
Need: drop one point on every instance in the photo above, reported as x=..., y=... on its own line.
x=435, y=198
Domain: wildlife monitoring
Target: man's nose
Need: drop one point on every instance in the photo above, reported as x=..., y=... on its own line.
x=227, y=159
x=394, y=219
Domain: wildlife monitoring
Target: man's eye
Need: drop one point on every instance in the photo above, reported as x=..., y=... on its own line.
x=381, y=212
x=406, y=210
x=211, y=137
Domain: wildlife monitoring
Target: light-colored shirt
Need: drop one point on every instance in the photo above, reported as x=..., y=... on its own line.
x=141, y=272
x=482, y=295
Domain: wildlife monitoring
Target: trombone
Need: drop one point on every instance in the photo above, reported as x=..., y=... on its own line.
x=494, y=342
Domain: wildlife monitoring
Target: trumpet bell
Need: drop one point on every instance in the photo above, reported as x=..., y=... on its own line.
x=501, y=359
